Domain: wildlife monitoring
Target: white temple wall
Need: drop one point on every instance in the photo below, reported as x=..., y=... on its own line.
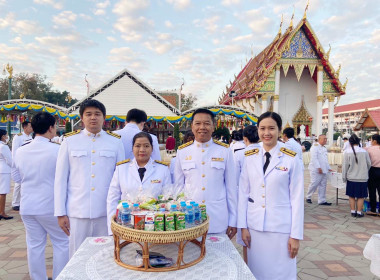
x=291, y=92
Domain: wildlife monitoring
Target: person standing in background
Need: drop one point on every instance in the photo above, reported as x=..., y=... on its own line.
x=346, y=145
x=374, y=174
x=170, y=142
x=5, y=172
x=291, y=143
x=19, y=140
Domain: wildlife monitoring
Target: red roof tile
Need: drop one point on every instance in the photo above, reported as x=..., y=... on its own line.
x=375, y=115
x=354, y=106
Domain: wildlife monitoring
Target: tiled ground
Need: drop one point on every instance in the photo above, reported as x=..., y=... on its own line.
x=332, y=247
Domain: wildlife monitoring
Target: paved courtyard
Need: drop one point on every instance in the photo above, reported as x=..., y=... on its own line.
x=332, y=247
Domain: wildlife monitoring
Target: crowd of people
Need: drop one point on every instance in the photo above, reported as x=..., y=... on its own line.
x=253, y=187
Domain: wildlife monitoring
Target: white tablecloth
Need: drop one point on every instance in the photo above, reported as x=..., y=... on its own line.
x=333, y=158
x=372, y=253
x=94, y=260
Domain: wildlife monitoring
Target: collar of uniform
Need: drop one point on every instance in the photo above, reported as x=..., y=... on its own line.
x=275, y=151
x=203, y=145
x=253, y=145
x=86, y=132
x=134, y=162
x=131, y=125
x=41, y=139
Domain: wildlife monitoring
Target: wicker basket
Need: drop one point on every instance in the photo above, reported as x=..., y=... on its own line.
x=147, y=239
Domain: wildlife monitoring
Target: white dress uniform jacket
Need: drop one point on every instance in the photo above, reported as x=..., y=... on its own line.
x=207, y=172
x=85, y=166
x=318, y=158
x=126, y=183
x=5, y=168
x=237, y=145
x=293, y=145
x=34, y=168
x=239, y=159
x=127, y=134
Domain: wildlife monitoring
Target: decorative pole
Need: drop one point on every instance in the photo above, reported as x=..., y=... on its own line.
x=9, y=69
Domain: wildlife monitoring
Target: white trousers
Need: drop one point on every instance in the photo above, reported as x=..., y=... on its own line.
x=268, y=256
x=80, y=229
x=16, y=195
x=37, y=227
x=317, y=181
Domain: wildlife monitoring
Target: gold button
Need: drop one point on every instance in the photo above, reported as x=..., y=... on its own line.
x=263, y=186
x=89, y=134
x=93, y=151
x=93, y=139
x=198, y=145
x=203, y=188
x=93, y=175
x=93, y=163
x=203, y=175
x=203, y=201
x=263, y=206
x=203, y=150
x=263, y=195
x=203, y=162
x=206, y=145
x=92, y=189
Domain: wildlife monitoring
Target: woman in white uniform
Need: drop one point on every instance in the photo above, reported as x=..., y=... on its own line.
x=141, y=177
x=5, y=172
x=271, y=210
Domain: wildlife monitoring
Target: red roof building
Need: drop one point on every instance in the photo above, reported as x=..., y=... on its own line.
x=369, y=121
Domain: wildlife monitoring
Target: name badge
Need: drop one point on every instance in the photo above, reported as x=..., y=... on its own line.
x=155, y=181
x=282, y=168
x=217, y=159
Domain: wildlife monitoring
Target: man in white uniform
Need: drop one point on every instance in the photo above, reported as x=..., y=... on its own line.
x=34, y=168
x=135, y=120
x=318, y=166
x=346, y=144
x=85, y=166
x=291, y=143
x=206, y=169
x=19, y=140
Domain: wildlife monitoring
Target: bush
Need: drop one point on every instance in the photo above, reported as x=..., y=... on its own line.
x=336, y=135
x=68, y=127
x=176, y=136
x=222, y=131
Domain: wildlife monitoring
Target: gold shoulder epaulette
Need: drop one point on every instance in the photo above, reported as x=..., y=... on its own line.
x=113, y=134
x=316, y=144
x=288, y=152
x=19, y=134
x=251, y=152
x=72, y=133
x=123, y=161
x=55, y=143
x=162, y=162
x=221, y=143
x=185, y=145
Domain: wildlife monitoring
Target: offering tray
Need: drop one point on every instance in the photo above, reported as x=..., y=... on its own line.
x=148, y=239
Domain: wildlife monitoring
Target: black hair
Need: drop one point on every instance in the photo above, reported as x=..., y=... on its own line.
x=345, y=138
x=354, y=140
x=136, y=115
x=376, y=137
x=189, y=135
x=203, y=111
x=25, y=124
x=2, y=133
x=42, y=122
x=92, y=103
x=289, y=132
x=276, y=117
x=251, y=133
x=142, y=134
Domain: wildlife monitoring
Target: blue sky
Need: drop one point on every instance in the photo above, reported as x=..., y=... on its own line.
x=164, y=41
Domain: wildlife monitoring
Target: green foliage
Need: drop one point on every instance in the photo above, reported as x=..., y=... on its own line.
x=222, y=131
x=324, y=131
x=176, y=135
x=68, y=127
x=188, y=101
x=336, y=135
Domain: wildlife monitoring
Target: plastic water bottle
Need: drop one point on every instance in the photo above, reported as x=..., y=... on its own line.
x=136, y=207
x=183, y=206
x=197, y=214
x=173, y=208
x=192, y=203
x=125, y=215
x=189, y=217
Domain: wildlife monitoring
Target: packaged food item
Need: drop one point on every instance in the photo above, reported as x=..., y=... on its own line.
x=180, y=222
x=159, y=223
x=202, y=207
x=139, y=222
x=169, y=222
x=149, y=221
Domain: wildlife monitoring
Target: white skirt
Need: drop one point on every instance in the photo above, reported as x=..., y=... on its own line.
x=268, y=257
x=5, y=183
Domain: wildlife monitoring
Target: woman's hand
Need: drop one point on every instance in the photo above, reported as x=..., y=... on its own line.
x=293, y=246
x=246, y=236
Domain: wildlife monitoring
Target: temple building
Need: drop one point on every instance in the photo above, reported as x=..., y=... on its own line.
x=291, y=76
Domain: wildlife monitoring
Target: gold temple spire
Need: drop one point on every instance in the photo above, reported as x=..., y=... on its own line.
x=307, y=6
x=291, y=20
x=338, y=71
x=345, y=84
x=328, y=53
x=282, y=20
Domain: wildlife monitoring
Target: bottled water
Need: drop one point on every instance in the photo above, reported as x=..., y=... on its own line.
x=189, y=217
x=173, y=208
x=183, y=206
x=136, y=207
x=197, y=214
x=125, y=215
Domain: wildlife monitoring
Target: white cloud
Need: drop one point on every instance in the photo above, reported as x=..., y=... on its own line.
x=168, y=24
x=112, y=39
x=256, y=20
x=24, y=27
x=180, y=4
x=127, y=7
x=126, y=57
x=65, y=19
x=133, y=28
x=162, y=43
x=101, y=8
x=184, y=61
x=230, y=2
x=55, y=4
x=17, y=40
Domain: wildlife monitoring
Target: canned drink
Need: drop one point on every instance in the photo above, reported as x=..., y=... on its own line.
x=180, y=222
x=139, y=222
x=159, y=222
x=149, y=221
x=202, y=207
x=169, y=222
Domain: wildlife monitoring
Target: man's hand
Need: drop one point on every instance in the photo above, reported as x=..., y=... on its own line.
x=64, y=224
x=293, y=246
x=246, y=236
x=231, y=231
x=320, y=170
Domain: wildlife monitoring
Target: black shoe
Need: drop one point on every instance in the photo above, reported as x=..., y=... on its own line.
x=309, y=201
x=361, y=215
x=16, y=208
x=353, y=214
x=325, y=203
x=6, y=217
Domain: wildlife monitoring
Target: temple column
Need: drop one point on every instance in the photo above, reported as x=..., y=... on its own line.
x=330, y=137
x=319, y=100
x=264, y=99
x=276, y=96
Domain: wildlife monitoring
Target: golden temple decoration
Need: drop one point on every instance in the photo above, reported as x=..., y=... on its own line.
x=328, y=53
x=320, y=98
x=320, y=68
x=264, y=97
x=312, y=69
x=9, y=70
x=302, y=117
x=299, y=69
x=276, y=97
x=287, y=124
x=278, y=67
x=285, y=67
x=307, y=6
x=282, y=20
x=337, y=101
x=331, y=97
x=250, y=105
x=345, y=84
x=338, y=71
x=291, y=20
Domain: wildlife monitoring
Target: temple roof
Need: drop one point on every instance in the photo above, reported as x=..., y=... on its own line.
x=256, y=72
x=371, y=104
x=369, y=119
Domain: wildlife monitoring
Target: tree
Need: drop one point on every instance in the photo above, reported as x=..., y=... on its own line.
x=188, y=101
x=68, y=127
x=176, y=136
x=222, y=131
x=34, y=86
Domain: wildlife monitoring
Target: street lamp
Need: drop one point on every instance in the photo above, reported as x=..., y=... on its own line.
x=9, y=68
x=232, y=95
